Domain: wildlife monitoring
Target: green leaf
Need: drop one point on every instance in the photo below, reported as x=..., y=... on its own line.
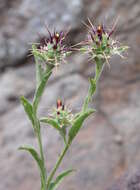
x=39, y=72
x=104, y=41
x=37, y=54
x=35, y=155
x=59, y=179
x=51, y=122
x=83, y=49
x=119, y=50
x=77, y=124
x=55, y=125
x=28, y=108
x=122, y=48
x=39, y=69
x=40, y=89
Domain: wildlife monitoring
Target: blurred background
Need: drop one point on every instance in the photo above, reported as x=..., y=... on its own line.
x=109, y=143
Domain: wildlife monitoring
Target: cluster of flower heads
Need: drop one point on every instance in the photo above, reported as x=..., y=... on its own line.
x=52, y=49
x=62, y=114
x=100, y=44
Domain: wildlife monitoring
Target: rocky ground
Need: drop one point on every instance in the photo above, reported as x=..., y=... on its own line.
x=108, y=145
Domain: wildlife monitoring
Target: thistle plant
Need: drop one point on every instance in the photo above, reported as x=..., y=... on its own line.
x=48, y=54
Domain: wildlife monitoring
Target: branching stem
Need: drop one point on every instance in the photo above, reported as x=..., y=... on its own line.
x=57, y=165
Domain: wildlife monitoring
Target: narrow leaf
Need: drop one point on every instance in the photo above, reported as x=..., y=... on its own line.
x=54, y=124
x=122, y=48
x=39, y=72
x=39, y=69
x=51, y=122
x=78, y=124
x=40, y=89
x=37, y=54
x=35, y=155
x=59, y=179
x=28, y=108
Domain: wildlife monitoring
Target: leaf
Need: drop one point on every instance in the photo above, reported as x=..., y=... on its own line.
x=35, y=155
x=59, y=179
x=39, y=72
x=122, y=48
x=78, y=124
x=104, y=41
x=55, y=125
x=51, y=122
x=37, y=54
x=40, y=90
x=28, y=108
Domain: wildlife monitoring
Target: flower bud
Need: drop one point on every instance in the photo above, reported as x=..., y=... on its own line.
x=52, y=49
x=62, y=114
x=59, y=104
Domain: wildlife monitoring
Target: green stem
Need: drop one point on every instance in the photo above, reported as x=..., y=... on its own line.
x=99, y=68
x=38, y=71
x=57, y=165
x=41, y=80
x=40, y=147
x=44, y=175
x=93, y=83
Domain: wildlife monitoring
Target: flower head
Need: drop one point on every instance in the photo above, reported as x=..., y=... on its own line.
x=62, y=114
x=51, y=49
x=100, y=44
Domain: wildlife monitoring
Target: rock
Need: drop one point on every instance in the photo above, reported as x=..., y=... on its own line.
x=108, y=145
x=22, y=21
x=128, y=26
x=129, y=181
x=94, y=155
x=11, y=141
x=19, y=81
x=14, y=83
